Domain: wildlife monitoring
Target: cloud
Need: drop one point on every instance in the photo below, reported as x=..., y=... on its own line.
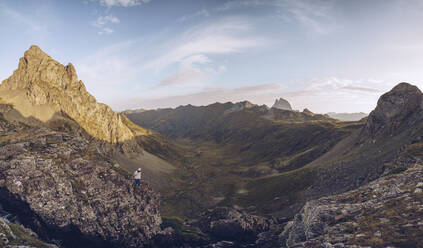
x=33, y=25
x=191, y=75
x=192, y=50
x=122, y=3
x=183, y=77
x=107, y=71
x=334, y=94
x=201, y=13
x=105, y=31
x=222, y=37
x=256, y=94
x=315, y=16
x=102, y=22
x=319, y=95
x=175, y=64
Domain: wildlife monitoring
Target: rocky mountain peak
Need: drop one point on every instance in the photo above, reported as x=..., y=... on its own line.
x=42, y=87
x=35, y=53
x=282, y=104
x=400, y=101
x=395, y=107
x=307, y=112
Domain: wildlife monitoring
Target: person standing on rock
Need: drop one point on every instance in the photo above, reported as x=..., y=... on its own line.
x=137, y=177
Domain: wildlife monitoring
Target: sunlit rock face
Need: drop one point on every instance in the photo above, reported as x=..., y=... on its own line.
x=42, y=87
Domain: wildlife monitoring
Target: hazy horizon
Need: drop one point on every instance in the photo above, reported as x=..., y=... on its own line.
x=324, y=55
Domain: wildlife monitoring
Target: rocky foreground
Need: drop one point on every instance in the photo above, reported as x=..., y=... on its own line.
x=385, y=213
x=63, y=188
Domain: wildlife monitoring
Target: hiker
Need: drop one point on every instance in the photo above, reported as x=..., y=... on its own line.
x=137, y=176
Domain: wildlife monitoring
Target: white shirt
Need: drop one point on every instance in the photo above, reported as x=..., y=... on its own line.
x=137, y=174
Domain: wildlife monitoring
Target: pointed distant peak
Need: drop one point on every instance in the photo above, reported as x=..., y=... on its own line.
x=35, y=51
x=282, y=104
x=307, y=111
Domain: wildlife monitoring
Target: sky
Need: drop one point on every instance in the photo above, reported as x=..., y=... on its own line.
x=324, y=55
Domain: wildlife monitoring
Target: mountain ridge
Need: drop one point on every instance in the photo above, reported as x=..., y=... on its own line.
x=41, y=87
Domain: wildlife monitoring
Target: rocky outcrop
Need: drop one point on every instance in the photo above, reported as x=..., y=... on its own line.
x=64, y=188
x=384, y=213
x=41, y=87
x=282, y=104
x=231, y=224
x=403, y=104
x=13, y=235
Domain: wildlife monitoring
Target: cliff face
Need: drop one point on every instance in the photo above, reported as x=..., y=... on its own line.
x=397, y=109
x=42, y=87
x=64, y=188
x=384, y=213
x=282, y=104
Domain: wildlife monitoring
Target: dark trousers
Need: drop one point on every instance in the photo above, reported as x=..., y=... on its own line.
x=137, y=181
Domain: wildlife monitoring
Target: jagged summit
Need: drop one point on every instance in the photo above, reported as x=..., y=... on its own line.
x=282, y=104
x=35, y=52
x=41, y=88
x=401, y=104
x=307, y=112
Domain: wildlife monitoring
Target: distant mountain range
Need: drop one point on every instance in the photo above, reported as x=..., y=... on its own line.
x=238, y=143
x=347, y=116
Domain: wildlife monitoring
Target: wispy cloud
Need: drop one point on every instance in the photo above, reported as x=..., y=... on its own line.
x=122, y=3
x=32, y=24
x=256, y=94
x=315, y=16
x=222, y=37
x=334, y=94
x=192, y=51
x=320, y=95
x=200, y=13
x=172, y=62
x=102, y=23
x=103, y=20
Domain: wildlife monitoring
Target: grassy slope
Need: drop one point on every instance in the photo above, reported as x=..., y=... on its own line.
x=227, y=152
x=351, y=163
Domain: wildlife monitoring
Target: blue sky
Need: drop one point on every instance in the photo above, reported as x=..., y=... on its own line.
x=325, y=55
